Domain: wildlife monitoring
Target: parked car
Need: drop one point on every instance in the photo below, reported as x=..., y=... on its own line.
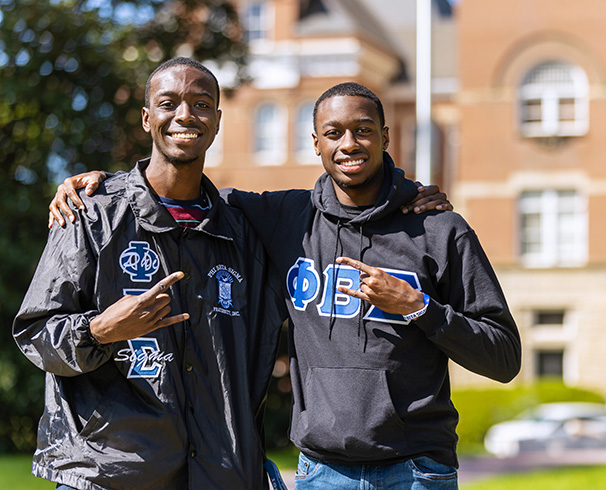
x=550, y=427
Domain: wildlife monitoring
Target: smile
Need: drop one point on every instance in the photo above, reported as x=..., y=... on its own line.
x=351, y=163
x=184, y=136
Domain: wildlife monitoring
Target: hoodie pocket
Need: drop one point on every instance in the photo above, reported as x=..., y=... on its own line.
x=349, y=411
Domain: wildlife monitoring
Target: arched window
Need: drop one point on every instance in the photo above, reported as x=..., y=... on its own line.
x=304, y=146
x=554, y=101
x=269, y=134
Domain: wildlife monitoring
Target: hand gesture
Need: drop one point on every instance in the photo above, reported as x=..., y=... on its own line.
x=428, y=198
x=383, y=290
x=133, y=316
x=58, y=205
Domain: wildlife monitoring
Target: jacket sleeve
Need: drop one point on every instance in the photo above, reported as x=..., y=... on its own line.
x=52, y=325
x=474, y=327
x=269, y=213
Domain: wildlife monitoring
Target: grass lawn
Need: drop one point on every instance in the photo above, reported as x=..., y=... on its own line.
x=285, y=459
x=15, y=472
x=570, y=478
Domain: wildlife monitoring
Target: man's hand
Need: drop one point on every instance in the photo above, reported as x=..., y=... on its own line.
x=428, y=198
x=58, y=205
x=133, y=316
x=383, y=290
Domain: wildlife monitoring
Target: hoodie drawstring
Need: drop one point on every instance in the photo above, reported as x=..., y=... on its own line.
x=361, y=313
x=334, y=283
x=333, y=319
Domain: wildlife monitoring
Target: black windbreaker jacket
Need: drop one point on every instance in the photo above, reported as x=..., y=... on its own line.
x=181, y=407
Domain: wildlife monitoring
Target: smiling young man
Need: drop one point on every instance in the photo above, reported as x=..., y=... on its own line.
x=379, y=302
x=137, y=399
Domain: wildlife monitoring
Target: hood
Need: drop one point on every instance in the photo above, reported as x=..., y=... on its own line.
x=396, y=191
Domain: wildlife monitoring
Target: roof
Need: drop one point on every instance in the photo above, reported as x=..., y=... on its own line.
x=342, y=17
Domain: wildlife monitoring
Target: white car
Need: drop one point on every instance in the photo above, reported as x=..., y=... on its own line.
x=550, y=427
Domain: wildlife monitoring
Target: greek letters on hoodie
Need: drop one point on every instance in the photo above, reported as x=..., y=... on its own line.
x=369, y=387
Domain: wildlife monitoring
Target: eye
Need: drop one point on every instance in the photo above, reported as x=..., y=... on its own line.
x=166, y=104
x=202, y=105
x=364, y=130
x=332, y=133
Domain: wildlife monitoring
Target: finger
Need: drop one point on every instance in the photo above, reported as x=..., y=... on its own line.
x=161, y=300
x=429, y=190
x=70, y=191
x=353, y=292
x=165, y=283
x=171, y=320
x=445, y=206
x=54, y=214
x=91, y=188
x=356, y=264
x=161, y=313
x=429, y=203
x=420, y=187
x=65, y=209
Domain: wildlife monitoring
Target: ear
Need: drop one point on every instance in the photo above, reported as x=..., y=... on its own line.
x=385, y=133
x=316, y=148
x=219, y=114
x=145, y=119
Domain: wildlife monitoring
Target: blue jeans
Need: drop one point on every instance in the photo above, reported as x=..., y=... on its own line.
x=60, y=486
x=415, y=474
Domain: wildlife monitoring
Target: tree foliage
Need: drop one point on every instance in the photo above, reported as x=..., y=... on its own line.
x=72, y=76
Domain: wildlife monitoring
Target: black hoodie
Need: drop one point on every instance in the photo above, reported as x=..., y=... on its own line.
x=369, y=387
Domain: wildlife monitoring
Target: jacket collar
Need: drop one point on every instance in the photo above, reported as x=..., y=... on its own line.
x=155, y=218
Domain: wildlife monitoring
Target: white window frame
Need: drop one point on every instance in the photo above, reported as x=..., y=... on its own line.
x=269, y=136
x=303, y=141
x=550, y=87
x=561, y=230
x=257, y=20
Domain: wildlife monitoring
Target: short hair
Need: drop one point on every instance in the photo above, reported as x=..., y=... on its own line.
x=180, y=61
x=352, y=89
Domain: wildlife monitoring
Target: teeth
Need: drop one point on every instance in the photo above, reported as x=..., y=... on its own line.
x=185, y=136
x=353, y=163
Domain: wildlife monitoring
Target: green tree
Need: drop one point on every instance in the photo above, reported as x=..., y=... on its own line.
x=71, y=87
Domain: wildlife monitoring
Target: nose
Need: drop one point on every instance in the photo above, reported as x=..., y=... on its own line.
x=349, y=143
x=183, y=112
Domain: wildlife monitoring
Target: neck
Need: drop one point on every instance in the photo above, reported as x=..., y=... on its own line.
x=179, y=181
x=365, y=194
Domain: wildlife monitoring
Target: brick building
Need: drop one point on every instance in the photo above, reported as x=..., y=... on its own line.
x=519, y=98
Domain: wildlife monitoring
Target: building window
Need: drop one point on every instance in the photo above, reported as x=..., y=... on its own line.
x=256, y=22
x=304, y=146
x=269, y=135
x=554, y=101
x=553, y=229
x=550, y=364
x=549, y=318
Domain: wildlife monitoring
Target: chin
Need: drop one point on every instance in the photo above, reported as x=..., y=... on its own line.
x=181, y=161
